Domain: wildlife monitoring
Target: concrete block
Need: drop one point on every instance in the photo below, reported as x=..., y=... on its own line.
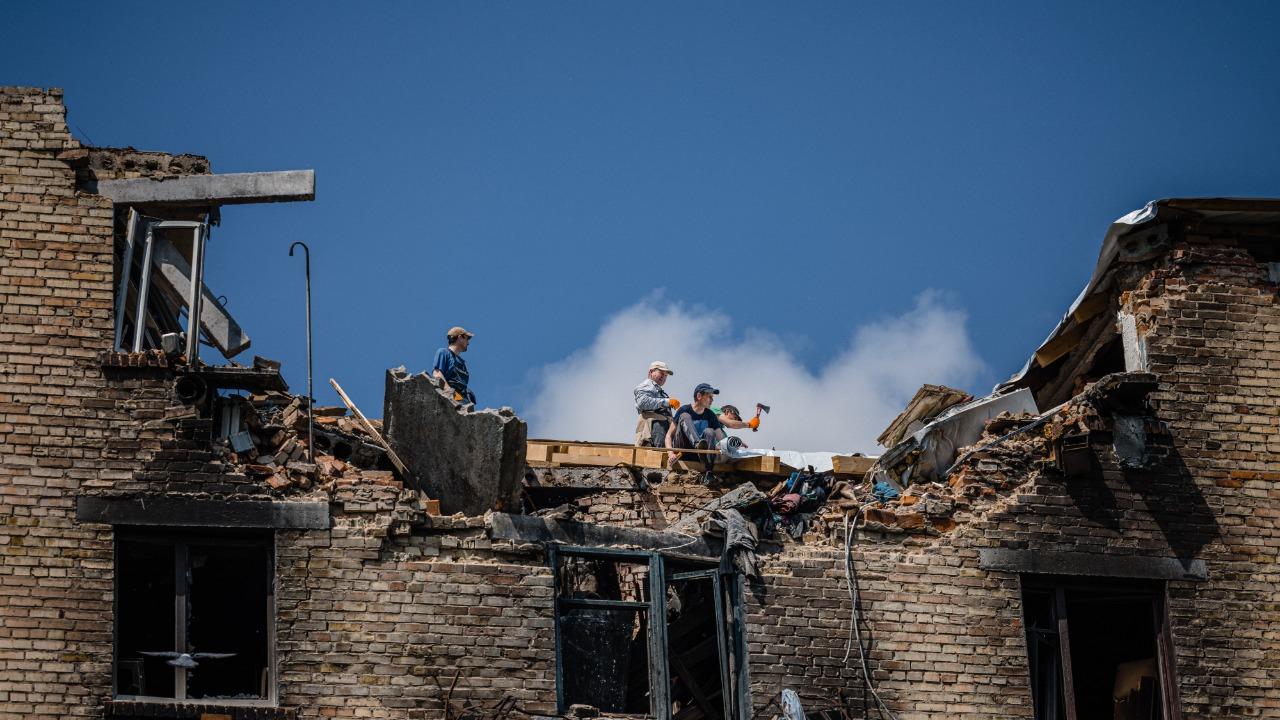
x=471, y=462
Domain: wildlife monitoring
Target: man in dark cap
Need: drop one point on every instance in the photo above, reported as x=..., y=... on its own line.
x=695, y=426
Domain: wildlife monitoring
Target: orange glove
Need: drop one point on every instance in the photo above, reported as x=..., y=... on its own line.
x=675, y=403
x=754, y=423
x=457, y=397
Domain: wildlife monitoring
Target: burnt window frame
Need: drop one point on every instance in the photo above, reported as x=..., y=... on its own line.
x=179, y=541
x=734, y=663
x=1057, y=587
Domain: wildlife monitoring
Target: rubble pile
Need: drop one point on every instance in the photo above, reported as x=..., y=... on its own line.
x=273, y=444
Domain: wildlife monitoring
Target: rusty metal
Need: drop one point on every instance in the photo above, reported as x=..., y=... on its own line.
x=311, y=401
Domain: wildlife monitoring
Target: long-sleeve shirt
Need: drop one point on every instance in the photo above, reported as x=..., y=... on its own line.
x=650, y=396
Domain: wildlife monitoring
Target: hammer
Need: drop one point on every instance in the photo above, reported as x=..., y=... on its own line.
x=759, y=409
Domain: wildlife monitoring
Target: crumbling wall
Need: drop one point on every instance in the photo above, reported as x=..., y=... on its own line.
x=472, y=462
x=1212, y=325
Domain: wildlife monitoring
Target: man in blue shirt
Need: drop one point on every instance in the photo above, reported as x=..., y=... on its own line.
x=450, y=366
x=696, y=427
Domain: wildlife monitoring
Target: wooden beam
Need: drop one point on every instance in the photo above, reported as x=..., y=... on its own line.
x=368, y=426
x=1091, y=306
x=580, y=460
x=1059, y=346
x=767, y=464
x=852, y=464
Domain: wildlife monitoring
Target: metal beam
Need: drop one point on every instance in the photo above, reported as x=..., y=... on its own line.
x=202, y=190
x=218, y=325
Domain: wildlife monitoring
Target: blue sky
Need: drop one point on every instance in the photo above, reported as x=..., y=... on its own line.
x=792, y=181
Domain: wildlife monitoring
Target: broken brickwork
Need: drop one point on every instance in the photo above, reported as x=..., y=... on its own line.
x=378, y=608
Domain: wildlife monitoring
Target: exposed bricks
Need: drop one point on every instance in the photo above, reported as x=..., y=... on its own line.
x=378, y=613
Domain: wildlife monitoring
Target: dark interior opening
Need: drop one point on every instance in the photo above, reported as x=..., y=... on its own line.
x=1108, y=360
x=694, y=650
x=604, y=651
x=213, y=593
x=1110, y=633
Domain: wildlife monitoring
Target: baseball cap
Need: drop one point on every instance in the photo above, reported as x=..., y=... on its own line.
x=705, y=387
x=457, y=331
x=659, y=365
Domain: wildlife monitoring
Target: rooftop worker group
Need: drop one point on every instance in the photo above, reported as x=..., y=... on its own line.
x=664, y=422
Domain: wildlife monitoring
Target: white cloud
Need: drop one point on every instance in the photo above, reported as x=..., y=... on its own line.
x=841, y=408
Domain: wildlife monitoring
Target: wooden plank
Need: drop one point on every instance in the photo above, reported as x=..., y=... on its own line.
x=538, y=453
x=852, y=464
x=368, y=426
x=652, y=458
x=767, y=464
x=625, y=454
x=1091, y=306
x=579, y=460
x=1059, y=346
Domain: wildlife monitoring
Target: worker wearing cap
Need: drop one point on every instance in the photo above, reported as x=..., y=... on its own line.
x=654, y=406
x=450, y=366
x=696, y=427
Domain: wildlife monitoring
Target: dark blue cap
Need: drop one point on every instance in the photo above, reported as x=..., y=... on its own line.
x=705, y=387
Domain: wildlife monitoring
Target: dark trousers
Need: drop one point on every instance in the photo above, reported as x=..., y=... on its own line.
x=687, y=436
x=660, y=433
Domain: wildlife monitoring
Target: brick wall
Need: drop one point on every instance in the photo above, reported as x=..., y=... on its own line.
x=378, y=614
x=55, y=265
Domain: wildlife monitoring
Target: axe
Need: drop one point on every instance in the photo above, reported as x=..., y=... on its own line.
x=760, y=409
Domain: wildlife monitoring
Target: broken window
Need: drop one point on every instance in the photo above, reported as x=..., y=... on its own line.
x=1098, y=650
x=160, y=288
x=193, y=616
x=649, y=634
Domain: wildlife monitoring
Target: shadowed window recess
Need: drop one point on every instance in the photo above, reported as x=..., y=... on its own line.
x=193, y=616
x=649, y=634
x=1098, y=650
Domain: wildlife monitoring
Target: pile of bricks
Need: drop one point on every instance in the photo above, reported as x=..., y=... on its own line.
x=277, y=424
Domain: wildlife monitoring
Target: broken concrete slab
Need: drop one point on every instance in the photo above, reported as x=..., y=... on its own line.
x=224, y=189
x=472, y=462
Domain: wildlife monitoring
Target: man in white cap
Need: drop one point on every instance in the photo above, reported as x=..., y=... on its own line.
x=654, y=406
x=450, y=366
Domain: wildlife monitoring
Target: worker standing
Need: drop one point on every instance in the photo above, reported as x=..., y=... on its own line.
x=450, y=367
x=654, y=406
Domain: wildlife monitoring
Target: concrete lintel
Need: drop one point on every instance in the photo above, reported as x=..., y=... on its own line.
x=224, y=189
x=178, y=512
x=1047, y=562
x=527, y=528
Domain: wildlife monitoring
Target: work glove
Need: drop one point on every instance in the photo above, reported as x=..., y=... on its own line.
x=754, y=424
x=457, y=397
x=674, y=403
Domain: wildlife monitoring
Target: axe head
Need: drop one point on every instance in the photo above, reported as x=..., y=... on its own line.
x=762, y=408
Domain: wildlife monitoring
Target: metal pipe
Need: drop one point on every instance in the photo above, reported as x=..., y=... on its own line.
x=144, y=289
x=311, y=431
x=126, y=269
x=195, y=295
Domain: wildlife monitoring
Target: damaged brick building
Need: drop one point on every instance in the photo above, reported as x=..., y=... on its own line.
x=1097, y=538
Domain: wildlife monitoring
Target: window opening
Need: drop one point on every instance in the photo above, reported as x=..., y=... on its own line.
x=643, y=633
x=1098, y=651
x=161, y=291
x=193, y=617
